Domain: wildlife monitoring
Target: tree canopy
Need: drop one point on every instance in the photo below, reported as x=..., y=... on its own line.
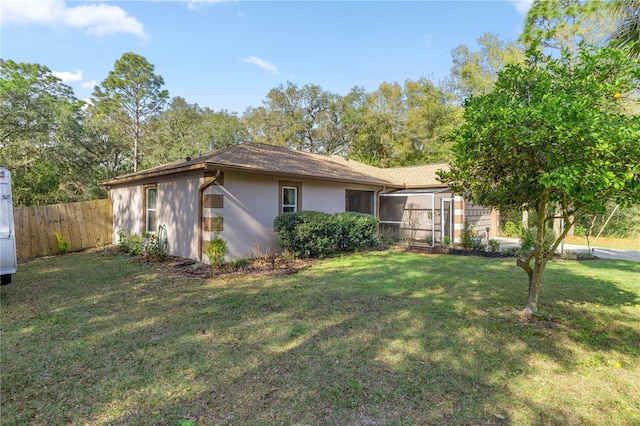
x=552, y=136
x=59, y=148
x=405, y=124
x=39, y=126
x=187, y=130
x=626, y=32
x=475, y=72
x=130, y=97
x=556, y=25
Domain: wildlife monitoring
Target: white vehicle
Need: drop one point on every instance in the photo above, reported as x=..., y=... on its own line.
x=8, y=260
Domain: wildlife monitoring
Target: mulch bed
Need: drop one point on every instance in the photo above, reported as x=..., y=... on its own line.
x=275, y=265
x=451, y=251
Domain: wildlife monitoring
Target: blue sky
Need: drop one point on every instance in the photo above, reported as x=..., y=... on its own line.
x=229, y=54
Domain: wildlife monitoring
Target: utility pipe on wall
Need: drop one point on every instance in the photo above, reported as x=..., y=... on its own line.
x=208, y=181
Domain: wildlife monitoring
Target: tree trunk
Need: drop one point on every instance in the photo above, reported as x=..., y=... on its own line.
x=136, y=139
x=135, y=154
x=539, y=258
x=535, y=283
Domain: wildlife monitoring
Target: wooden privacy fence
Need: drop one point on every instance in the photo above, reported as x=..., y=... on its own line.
x=80, y=225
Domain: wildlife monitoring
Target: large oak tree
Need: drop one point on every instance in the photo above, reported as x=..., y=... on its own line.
x=40, y=124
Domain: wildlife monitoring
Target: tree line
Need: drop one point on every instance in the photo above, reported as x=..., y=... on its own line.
x=59, y=147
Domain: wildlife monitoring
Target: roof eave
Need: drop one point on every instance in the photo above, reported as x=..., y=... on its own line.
x=431, y=185
x=254, y=170
x=228, y=167
x=153, y=174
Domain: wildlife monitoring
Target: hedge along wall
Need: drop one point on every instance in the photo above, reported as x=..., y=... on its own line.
x=318, y=234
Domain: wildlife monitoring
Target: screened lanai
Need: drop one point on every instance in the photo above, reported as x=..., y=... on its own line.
x=418, y=215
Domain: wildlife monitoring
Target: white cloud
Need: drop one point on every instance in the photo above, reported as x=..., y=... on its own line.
x=95, y=19
x=268, y=66
x=522, y=6
x=66, y=76
x=89, y=84
x=196, y=4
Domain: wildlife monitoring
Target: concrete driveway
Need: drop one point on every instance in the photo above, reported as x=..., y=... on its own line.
x=600, y=252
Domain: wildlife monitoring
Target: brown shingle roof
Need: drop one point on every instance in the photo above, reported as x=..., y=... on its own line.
x=416, y=176
x=270, y=159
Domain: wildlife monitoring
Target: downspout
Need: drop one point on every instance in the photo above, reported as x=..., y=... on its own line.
x=208, y=181
x=377, y=203
x=377, y=208
x=433, y=220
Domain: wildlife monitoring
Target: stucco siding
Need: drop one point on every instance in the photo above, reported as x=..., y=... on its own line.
x=250, y=205
x=252, y=202
x=127, y=210
x=479, y=217
x=326, y=198
x=177, y=208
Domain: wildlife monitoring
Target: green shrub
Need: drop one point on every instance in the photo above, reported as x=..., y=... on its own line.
x=131, y=244
x=239, y=264
x=494, y=246
x=356, y=231
x=318, y=234
x=307, y=233
x=528, y=240
x=584, y=255
x=62, y=244
x=122, y=240
x=467, y=235
x=216, y=250
x=510, y=229
x=285, y=226
x=152, y=248
x=446, y=242
x=146, y=245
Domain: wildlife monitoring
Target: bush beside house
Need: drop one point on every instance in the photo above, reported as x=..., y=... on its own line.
x=318, y=234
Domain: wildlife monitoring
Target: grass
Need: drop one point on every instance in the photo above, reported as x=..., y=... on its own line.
x=379, y=338
x=607, y=242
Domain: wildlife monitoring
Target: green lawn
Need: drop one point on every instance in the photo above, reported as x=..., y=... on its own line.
x=379, y=338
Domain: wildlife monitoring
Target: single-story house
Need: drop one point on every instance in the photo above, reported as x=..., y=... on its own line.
x=238, y=192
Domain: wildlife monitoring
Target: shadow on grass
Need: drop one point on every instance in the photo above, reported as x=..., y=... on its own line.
x=382, y=338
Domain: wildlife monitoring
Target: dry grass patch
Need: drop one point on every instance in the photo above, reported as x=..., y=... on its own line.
x=607, y=242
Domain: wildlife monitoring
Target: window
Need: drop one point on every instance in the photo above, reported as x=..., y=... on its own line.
x=289, y=199
x=359, y=201
x=150, y=209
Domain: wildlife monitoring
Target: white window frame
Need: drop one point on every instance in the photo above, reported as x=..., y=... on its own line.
x=295, y=199
x=148, y=211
